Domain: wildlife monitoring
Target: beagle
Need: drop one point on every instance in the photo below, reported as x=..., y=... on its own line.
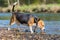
x=29, y=19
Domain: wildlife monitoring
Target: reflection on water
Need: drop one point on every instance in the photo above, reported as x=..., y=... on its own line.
x=51, y=27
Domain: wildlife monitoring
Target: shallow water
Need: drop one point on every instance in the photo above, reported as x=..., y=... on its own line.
x=51, y=27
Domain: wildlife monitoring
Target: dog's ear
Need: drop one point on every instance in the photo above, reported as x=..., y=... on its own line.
x=39, y=19
x=15, y=3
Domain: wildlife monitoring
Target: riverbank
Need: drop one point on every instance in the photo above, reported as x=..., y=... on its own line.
x=48, y=8
x=15, y=35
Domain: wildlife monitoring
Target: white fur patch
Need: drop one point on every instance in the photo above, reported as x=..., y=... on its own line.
x=9, y=27
x=31, y=29
x=15, y=3
x=43, y=28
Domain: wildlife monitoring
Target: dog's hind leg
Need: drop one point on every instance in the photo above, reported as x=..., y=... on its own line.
x=12, y=21
x=9, y=26
x=18, y=23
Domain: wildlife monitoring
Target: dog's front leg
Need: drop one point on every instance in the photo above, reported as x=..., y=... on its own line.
x=30, y=26
x=31, y=29
x=30, y=23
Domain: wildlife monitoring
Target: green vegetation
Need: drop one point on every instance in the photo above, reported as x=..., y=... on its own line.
x=28, y=5
x=23, y=7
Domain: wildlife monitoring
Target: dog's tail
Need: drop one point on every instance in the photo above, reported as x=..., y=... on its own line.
x=14, y=6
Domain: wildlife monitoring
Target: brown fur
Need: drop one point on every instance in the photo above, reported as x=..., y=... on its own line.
x=31, y=21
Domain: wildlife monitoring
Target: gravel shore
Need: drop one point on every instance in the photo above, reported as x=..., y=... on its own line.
x=15, y=35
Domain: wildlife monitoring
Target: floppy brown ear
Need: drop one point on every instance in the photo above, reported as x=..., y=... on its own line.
x=41, y=24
